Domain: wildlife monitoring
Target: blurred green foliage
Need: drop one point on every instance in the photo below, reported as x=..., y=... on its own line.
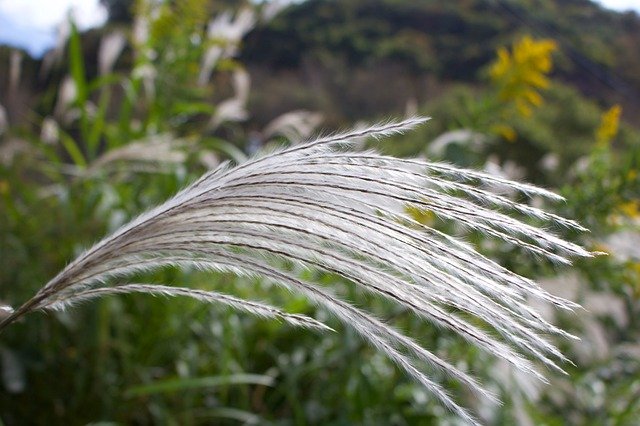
x=136, y=360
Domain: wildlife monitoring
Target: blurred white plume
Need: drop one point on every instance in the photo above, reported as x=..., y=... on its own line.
x=234, y=108
x=225, y=32
x=294, y=125
x=4, y=120
x=111, y=46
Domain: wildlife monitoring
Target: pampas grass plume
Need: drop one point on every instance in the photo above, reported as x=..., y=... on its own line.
x=320, y=204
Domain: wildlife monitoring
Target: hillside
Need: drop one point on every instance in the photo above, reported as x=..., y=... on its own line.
x=357, y=59
x=361, y=58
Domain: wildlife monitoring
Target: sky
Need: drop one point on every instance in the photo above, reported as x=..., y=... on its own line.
x=32, y=24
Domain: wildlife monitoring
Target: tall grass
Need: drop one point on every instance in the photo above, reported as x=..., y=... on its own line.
x=320, y=204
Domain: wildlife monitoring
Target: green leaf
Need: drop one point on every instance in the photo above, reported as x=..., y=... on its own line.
x=192, y=108
x=73, y=150
x=175, y=385
x=76, y=65
x=98, y=123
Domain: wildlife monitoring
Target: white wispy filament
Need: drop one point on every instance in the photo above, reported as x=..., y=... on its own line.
x=321, y=205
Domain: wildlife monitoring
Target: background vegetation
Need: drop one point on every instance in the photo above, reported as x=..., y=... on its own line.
x=117, y=119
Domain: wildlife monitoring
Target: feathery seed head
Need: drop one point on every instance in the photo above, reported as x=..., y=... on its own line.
x=319, y=204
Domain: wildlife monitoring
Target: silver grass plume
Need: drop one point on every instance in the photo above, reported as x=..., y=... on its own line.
x=321, y=205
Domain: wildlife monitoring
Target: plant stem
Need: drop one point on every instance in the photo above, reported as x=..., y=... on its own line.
x=22, y=310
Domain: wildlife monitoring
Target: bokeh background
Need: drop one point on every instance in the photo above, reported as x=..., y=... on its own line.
x=124, y=102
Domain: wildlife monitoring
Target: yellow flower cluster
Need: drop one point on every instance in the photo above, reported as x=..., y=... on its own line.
x=609, y=124
x=521, y=72
x=630, y=209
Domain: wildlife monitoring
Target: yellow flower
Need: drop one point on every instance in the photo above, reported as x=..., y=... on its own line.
x=507, y=132
x=609, y=123
x=630, y=209
x=519, y=73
